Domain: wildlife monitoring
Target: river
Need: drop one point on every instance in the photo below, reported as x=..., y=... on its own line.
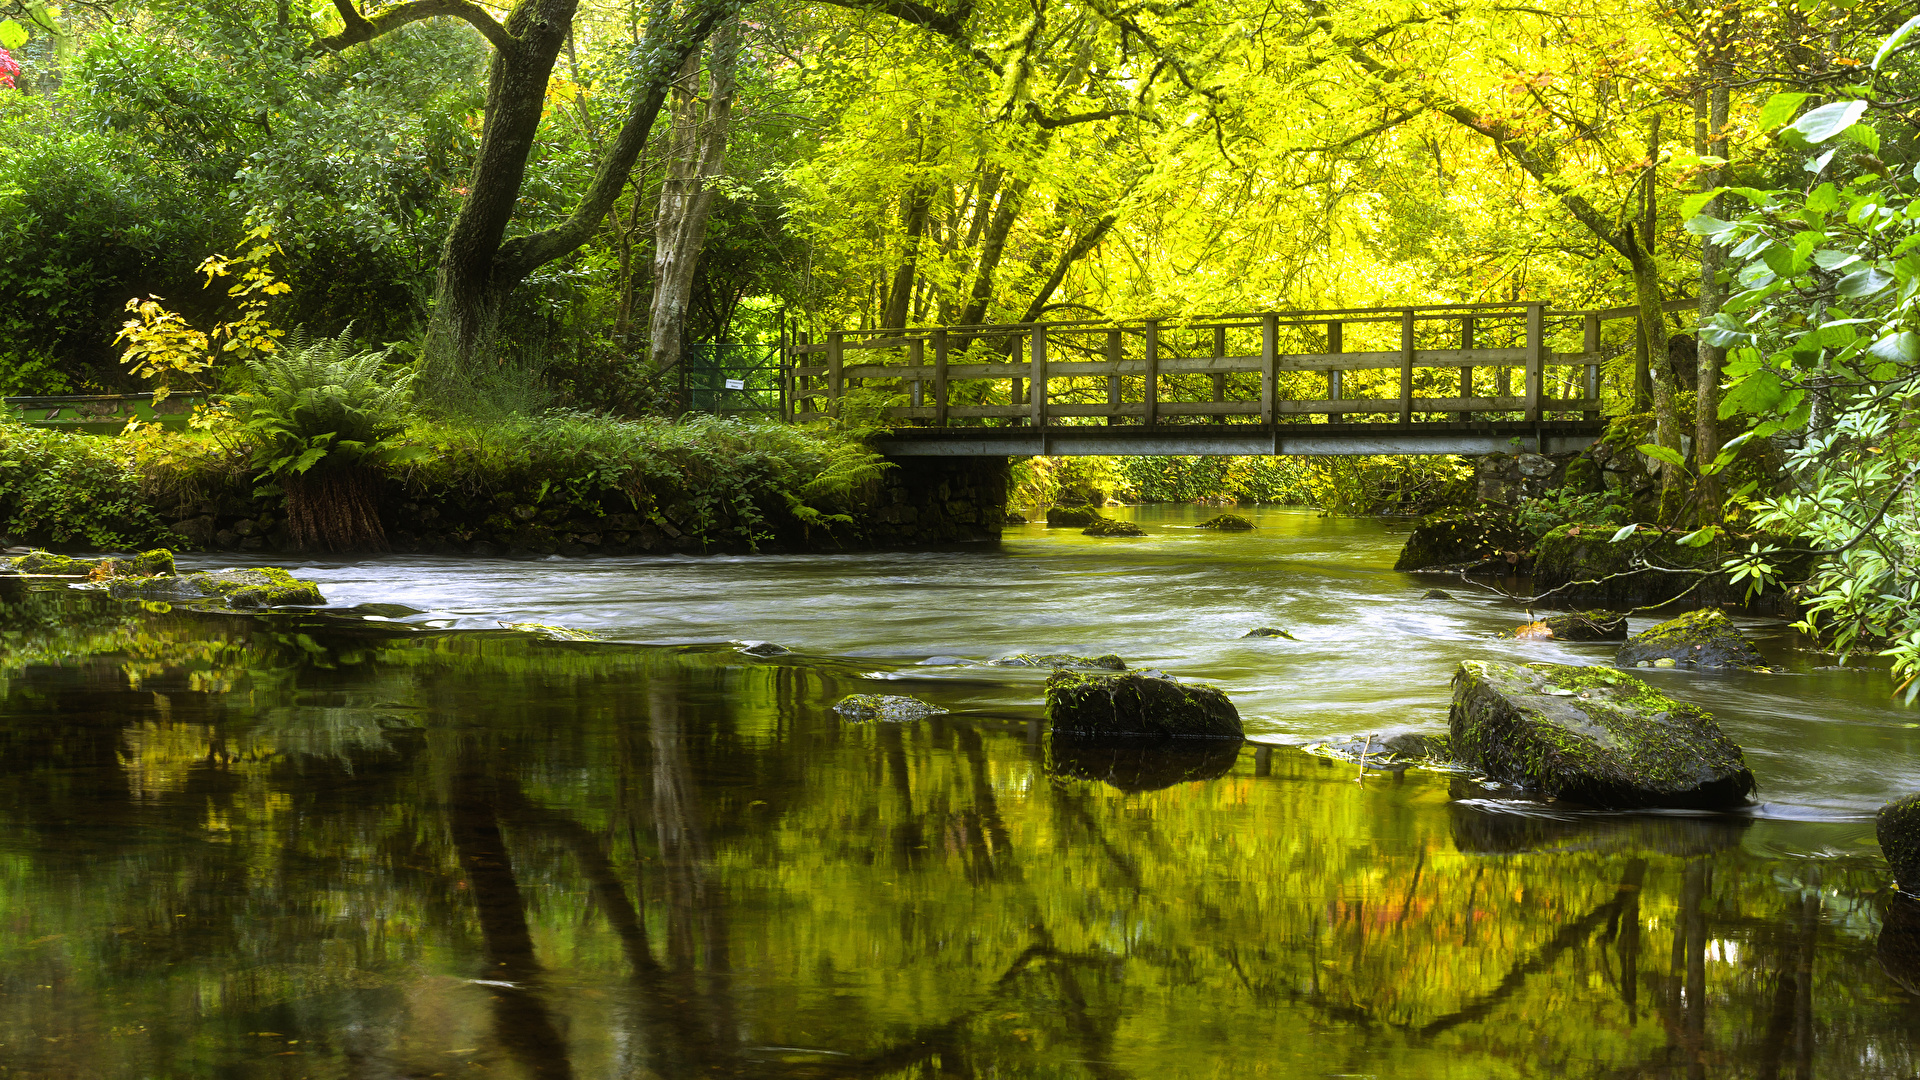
x=333, y=846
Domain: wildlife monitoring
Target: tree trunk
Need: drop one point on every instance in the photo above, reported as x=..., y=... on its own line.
x=695, y=155
x=914, y=213
x=994, y=245
x=1073, y=254
x=1709, y=126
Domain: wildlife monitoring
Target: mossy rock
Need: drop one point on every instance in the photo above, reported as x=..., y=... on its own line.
x=1898, y=828
x=1594, y=736
x=1580, y=564
x=260, y=587
x=1269, y=631
x=549, y=632
x=46, y=562
x=145, y=564
x=1110, y=527
x=1227, y=523
x=1436, y=594
x=1137, y=703
x=1461, y=537
x=1104, y=662
x=1015, y=518
x=1140, y=764
x=886, y=707
x=1072, y=517
x=762, y=648
x=1394, y=751
x=1573, y=626
x=1704, y=639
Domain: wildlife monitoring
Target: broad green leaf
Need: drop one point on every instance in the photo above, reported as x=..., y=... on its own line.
x=1624, y=533
x=1757, y=394
x=12, y=35
x=1895, y=40
x=1823, y=123
x=1779, y=109
x=1864, y=283
x=1699, y=537
x=1693, y=204
x=1825, y=198
x=1663, y=453
x=1788, y=262
x=1818, y=165
x=1702, y=225
x=1864, y=135
x=1833, y=259
x=1899, y=348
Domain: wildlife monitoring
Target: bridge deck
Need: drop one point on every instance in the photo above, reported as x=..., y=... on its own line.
x=1436, y=379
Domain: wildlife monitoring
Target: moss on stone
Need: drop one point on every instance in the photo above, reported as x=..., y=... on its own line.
x=1704, y=639
x=1898, y=828
x=1103, y=662
x=1592, y=735
x=1109, y=527
x=1456, y=537
x=1582, y=476
x=885, y=707
x=1268, y=631
x=1227, y=523
x=1148, y=703
x=1581, y=564
x=1072, y=517
x=46, y=562
x=1573, y=626
x=258, y=587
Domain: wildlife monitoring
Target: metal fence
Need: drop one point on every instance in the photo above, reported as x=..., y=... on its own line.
x=102, y=414
x=729, y=379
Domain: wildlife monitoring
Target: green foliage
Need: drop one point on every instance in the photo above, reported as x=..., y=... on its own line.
x=719, y=480
x=1823, y=357
x=66, y=488
x=320, y=404
x=1538, y=517
x=1069, y=481
x=1216, y=479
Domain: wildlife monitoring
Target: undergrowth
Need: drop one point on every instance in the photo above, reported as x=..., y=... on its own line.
x=65, y=488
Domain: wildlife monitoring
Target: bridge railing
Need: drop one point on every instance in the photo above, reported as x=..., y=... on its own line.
x=1432, y=363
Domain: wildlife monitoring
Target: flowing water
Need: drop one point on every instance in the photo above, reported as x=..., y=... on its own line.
x=338, y=846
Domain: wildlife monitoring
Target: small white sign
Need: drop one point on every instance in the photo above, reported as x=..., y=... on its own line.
x=736, y=384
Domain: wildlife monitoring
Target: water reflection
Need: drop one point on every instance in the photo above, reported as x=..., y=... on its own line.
x=240, y=846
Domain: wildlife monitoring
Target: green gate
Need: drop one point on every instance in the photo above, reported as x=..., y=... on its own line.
x=727, y=379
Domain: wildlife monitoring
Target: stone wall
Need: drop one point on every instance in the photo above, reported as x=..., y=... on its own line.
x=1505, y=479
x=929, y=500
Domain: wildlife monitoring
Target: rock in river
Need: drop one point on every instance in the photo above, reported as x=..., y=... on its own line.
x=1138, y=703
x=1227, y=523
x=1269, y=631
x=885, y=707
x=1698, y=639
x=266, y=586
x=1573, y=626
x=762, y=648
x=1075, y=517
x=1592, y=735
x=1898, y=828
x=1109, y=527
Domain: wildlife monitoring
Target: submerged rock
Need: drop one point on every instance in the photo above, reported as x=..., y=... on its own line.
x=1227, y=523
x=1592, y=735
x=1698, y=639
x=383, y=611
x=762, y=648
x=1073, y=517
x=1573, y=626
x=885, y=707
x=1392, y=751
x=1138, y=703
x=1140, y=764
x=1461, y=537
x=266, y=586
x=1110, y=527
x=1898, y=829
x=1436, y=594
x=1104, y=662
x=551, y=632
x=1269, y=631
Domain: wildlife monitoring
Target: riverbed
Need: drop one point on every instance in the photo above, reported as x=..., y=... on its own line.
x=420, y=844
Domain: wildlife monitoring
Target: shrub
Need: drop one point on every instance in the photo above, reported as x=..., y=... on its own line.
x=61, y=487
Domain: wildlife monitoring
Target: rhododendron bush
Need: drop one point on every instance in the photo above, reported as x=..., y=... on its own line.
x=9, y=69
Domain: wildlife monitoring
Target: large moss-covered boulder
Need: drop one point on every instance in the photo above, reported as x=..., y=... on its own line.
x=261, y=587
x=1573, y=626
x=1698, y=639
x=1898, y=828
x=894, y=707
x=1592, y=735
x=1138, y=703
x=1103, y=662
x=1582, y=564
x=1140, y=764
x=1110, y=527
x=145, y=564
x=1072, y=517
x=1462, y=537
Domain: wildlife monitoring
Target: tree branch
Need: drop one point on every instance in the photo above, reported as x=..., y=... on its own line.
x=359, y=28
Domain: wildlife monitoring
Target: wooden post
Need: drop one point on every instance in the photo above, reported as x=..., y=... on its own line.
x=1406, y=366
x=1336, y=344
x=1152, y=397
x=1037, y=385
x=1590, y=342
x=1536, y=357
x=1014, y=385
x=940, y=378
x=916, y=358
x=836, y=346
x=1269, y=368
x=1114, y=348
x=1466, y=370
x=1219, y=377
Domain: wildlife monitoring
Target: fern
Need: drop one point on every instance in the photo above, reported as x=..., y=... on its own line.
x=320, y=404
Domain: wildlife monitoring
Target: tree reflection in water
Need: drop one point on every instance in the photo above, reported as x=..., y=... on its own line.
x=284, y=847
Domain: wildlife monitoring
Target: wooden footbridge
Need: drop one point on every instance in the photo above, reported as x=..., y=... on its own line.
x=1432, y=379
